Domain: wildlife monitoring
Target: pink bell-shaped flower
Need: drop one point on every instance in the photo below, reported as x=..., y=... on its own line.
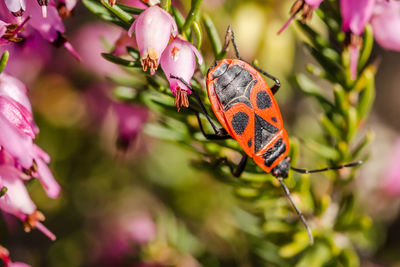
x=306, y=7
x=153, y=29
x=179, y=59
x=385, y=23
x=355, y=15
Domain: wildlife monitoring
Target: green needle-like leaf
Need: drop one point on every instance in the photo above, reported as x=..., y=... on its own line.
x=4, y=60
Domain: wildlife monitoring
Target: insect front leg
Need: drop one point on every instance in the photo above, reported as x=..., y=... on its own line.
x=230, y=36
x=220, y=134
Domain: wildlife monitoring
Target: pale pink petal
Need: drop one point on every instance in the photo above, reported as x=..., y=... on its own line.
x=174, y=27
x=41, y=154
x=356, y=14
x=313, y=3
x=178, y=59
x=132, y=28
x=17, y=115
x=18, y=201
x=70, y=4
x=18, y=144
x=153, y=29
x=47, y=179
x=196, y=52
x=15, y=5
x=14, y=88
x=386, y=24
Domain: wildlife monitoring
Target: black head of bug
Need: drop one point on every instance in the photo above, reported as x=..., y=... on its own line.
x=282, y=169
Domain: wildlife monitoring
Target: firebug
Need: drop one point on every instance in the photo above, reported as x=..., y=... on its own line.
x=248, y=112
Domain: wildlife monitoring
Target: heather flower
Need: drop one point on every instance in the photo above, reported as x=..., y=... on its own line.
x=18, y=202
x=130, y=122
x=355, y=15
x=42, y=171
x=385, y=22
x=16, y=7
x=179, y=59
x=306, y=7
x=88, y=41
x=16, y=142
x=153, y=29
x=5, y=257
x=65, y=7
x=391, y=176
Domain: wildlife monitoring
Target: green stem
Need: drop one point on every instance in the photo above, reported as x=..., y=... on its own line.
x=166, y=5
x=213, y=35
x=194, y=11
x=118, y=12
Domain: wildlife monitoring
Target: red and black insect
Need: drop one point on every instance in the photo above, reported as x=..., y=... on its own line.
x=246, y=108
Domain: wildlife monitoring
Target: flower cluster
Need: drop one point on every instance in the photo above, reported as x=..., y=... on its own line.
x=157, y=38
x=384, y=16
x=20, y=159
x=20, y=19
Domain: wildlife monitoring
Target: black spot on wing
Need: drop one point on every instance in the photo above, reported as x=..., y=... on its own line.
x=274, y=119
x=263, y=100
x=274, y=152
x=263, y=132
x=249, y=143
x=220, y=70
x=239, y=122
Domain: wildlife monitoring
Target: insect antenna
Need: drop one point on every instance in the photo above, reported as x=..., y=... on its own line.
x=348, y=165
x=303, y=220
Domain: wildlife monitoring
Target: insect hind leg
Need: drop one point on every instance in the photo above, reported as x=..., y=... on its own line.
x=239, y=168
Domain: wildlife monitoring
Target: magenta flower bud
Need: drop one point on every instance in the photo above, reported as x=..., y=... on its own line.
x=179, y=59
x=130, y=122
x=306, y=7
x=386, y=24
x=356, y=14
x=16, y=7
x=153, y=29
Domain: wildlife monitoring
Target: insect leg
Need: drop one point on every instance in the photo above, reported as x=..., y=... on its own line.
x=230, y=35
x=239, y=168
x=222, y=135
x=217, y=131
x=298, y=211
